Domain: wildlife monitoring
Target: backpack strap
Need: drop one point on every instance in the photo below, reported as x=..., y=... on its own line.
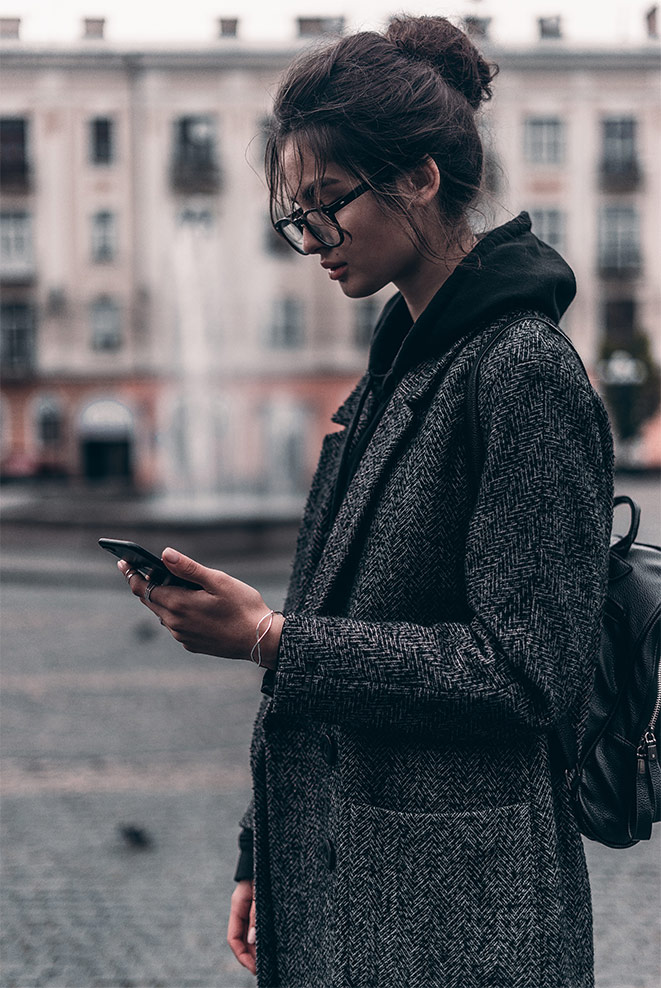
x=563, y=732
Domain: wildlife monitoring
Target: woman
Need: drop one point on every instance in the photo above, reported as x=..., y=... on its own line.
x=410, y=825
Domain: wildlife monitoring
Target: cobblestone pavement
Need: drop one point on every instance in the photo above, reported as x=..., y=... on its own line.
x=108, y=724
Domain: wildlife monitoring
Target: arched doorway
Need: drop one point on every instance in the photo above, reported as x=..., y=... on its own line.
x=106, y=441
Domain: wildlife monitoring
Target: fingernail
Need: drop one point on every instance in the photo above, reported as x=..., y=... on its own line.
x=170, y=556
x=122, y=566
x=252, y=935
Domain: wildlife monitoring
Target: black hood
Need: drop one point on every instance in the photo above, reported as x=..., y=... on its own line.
x=509, y=270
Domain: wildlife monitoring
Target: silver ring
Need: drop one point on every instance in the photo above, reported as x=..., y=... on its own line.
x=129, y=573
x=148, y=590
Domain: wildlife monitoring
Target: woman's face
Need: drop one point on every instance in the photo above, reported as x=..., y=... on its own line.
x=376, y=250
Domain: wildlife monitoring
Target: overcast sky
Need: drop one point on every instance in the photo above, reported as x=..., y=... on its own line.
x=191, y=22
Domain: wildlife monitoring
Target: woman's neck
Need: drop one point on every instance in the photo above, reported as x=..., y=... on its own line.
x=420, y=284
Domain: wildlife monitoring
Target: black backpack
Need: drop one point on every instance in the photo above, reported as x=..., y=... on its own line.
x=615, y=780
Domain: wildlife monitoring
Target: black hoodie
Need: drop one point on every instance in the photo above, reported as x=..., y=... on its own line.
x=508, y=271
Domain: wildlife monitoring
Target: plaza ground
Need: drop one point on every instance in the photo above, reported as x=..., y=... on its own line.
x=125, y=770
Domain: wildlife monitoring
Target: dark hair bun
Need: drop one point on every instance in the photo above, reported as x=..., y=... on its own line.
x=445, y=47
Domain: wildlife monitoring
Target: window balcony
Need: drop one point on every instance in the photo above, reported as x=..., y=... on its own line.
x=17, y=344
x=17, y=270
x=15, y=174
x=616, y=267
x=620, y=175
x=192, y=174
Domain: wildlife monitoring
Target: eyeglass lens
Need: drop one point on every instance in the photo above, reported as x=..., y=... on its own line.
x=321, y=227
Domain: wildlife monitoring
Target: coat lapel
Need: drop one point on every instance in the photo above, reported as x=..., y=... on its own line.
x=394, y=430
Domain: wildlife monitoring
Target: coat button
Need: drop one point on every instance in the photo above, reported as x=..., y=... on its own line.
x=328, y=749
x=328, y=854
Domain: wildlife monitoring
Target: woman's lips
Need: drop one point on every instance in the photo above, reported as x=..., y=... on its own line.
x=337, y=271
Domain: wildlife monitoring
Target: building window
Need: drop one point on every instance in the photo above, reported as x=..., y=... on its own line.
x=549, y=226
x=16, y=337
x=14, y=168
x=228, y=27
x=15, y=243
x=48, y=422
x=105, y=324
x=544, y=142
x=619, y=157
x=104, y=237
x=102, y=150
x=286, y=326
x=195, y=166
x=197, y=218
x=550, y=27
x=619, y=319
x=284, y=459
x=492, y=172
x=57, y=305
x=477, y=27
x=10, y=27
x=619, y=240
x=94, y=28
x=313, y=27
x=366, y=314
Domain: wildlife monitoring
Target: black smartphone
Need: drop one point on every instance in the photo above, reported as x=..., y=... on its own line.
x=145, y=563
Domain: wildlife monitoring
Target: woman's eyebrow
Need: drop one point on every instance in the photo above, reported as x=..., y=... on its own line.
x=308, y=194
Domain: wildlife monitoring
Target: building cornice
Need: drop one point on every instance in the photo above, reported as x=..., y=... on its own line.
x=547, y=58
x=112, y=59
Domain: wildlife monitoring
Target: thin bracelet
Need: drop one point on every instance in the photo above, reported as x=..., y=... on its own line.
x=261, y=636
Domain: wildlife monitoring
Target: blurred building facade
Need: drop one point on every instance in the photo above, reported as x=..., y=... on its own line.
x=155, y=331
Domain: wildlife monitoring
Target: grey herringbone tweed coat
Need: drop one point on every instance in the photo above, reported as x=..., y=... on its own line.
x=410, y=828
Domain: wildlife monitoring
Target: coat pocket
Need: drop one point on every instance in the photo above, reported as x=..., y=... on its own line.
x=441, y=899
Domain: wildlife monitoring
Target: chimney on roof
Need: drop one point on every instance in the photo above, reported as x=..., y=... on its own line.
x=652, y=23
x=94, y=28
x=550, y=27
x=10, y=27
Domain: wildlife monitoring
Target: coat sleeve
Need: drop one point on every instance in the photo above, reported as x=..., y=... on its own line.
x=535, y=573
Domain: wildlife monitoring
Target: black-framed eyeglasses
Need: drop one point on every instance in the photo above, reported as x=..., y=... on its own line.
x=320, y=222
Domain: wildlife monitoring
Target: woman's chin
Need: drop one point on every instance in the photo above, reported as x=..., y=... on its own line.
x=353, y=289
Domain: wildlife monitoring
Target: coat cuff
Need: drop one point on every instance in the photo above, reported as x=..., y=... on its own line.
x=245, y=868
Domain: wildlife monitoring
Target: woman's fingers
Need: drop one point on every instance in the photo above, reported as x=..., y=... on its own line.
x=220, y=619
x=189, y=569
x=241, y=911
x=146, y=591
x=252, y=930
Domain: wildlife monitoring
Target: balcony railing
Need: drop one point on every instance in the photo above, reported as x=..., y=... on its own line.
x=191, y=173
x=17, y=270
x=619, y=268
x=18, y=362
x=15, y=174
x=620, y=175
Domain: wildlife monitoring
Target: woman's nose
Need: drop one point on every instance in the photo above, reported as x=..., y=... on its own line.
x=310, y=243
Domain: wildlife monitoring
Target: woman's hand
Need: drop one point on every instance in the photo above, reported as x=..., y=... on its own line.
x=220, y=619
x=241, y=927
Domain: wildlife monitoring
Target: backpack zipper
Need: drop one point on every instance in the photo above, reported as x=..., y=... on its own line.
x=646, y=751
